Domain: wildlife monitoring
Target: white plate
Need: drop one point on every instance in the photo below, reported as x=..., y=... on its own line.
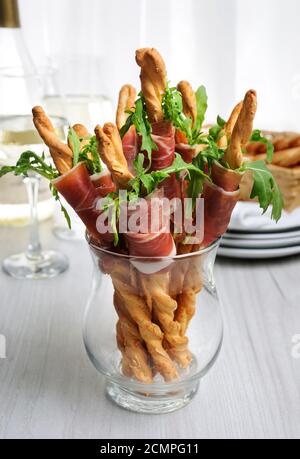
x=256, y=254
x=261, y=243
x=259, y=236
x=247, y=216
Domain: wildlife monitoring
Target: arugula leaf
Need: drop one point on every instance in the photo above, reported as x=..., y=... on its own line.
x=216, y=130
x=202, y=105
x=196, y=184
x=139, y=119
x=265, y=188
x=257, y=137
x=180, y=165
x=75, y=145
x=31, y=162
x=150, y=181
x=173, y=111
x=89, y=154
x=138, y=164
x=127, y=125
x=56, y=196
x=144, y=128
x=221, y=122
x=112, y=207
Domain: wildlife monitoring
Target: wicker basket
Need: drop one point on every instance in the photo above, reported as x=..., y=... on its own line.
x=288, y=178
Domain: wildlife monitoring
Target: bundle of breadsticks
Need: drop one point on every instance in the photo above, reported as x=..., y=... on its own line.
x=159, y=149
x=285, y=166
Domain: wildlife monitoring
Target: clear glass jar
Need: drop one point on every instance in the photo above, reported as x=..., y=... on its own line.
x=153, y=327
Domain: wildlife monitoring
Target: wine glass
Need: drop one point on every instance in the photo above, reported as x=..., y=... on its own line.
x=17, y=134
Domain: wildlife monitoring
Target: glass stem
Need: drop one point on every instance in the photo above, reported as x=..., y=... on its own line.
x=34, y=248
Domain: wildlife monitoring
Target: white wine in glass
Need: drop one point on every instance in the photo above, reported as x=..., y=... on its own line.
x=17, y=134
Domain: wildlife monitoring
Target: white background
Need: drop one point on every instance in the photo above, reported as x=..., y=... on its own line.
x=228, y=45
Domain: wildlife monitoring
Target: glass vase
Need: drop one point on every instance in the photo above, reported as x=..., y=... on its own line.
x=153, y=327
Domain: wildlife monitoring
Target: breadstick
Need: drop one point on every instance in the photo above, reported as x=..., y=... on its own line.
x=189, y=100
x=164, y=307
x=62, y=154
x=136, y=356
x=111, y=152
x=126, y=369
x=227, y=131
x=151, y=333
x=253, y=148
x=127, y=98
x=229, y=127
x=153, y=80
x=242, y=131
x=294, y=143
x=284, y=158
x=192, y=286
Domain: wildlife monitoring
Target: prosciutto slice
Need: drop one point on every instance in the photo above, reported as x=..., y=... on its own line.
x=187, y=152
x=220, y=199
x=163, y=135
x=227, y=179
x=131, y=145
x=218, y=208
x=78, y=190
x=103, y=183
x=152, y=244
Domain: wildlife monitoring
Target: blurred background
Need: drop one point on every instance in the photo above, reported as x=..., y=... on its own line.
x=227, y=45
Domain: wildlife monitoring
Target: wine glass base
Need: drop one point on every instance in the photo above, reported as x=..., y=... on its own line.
x=151, y=404
x=49, y=265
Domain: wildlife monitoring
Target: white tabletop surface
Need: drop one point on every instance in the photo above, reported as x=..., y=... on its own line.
x=49, y=389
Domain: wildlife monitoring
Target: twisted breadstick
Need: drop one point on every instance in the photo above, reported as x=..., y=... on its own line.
x=164, y=307
x=187, y=300
x=189, y=100
x=62, y=154
x=126, y=368
x=139, y=312
x=242, y=131
x=153, y=80
x=135, y=355
x=127, y=98
x=111, y=152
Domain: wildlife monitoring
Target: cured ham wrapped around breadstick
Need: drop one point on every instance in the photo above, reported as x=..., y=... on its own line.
x=74, y=183
x=221, y=196
x=102, y=181
x=130, y=141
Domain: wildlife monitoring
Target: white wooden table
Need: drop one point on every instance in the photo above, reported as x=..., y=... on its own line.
x=49, y=389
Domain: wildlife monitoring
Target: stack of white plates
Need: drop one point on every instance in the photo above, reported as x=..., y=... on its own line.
x=253, y=236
